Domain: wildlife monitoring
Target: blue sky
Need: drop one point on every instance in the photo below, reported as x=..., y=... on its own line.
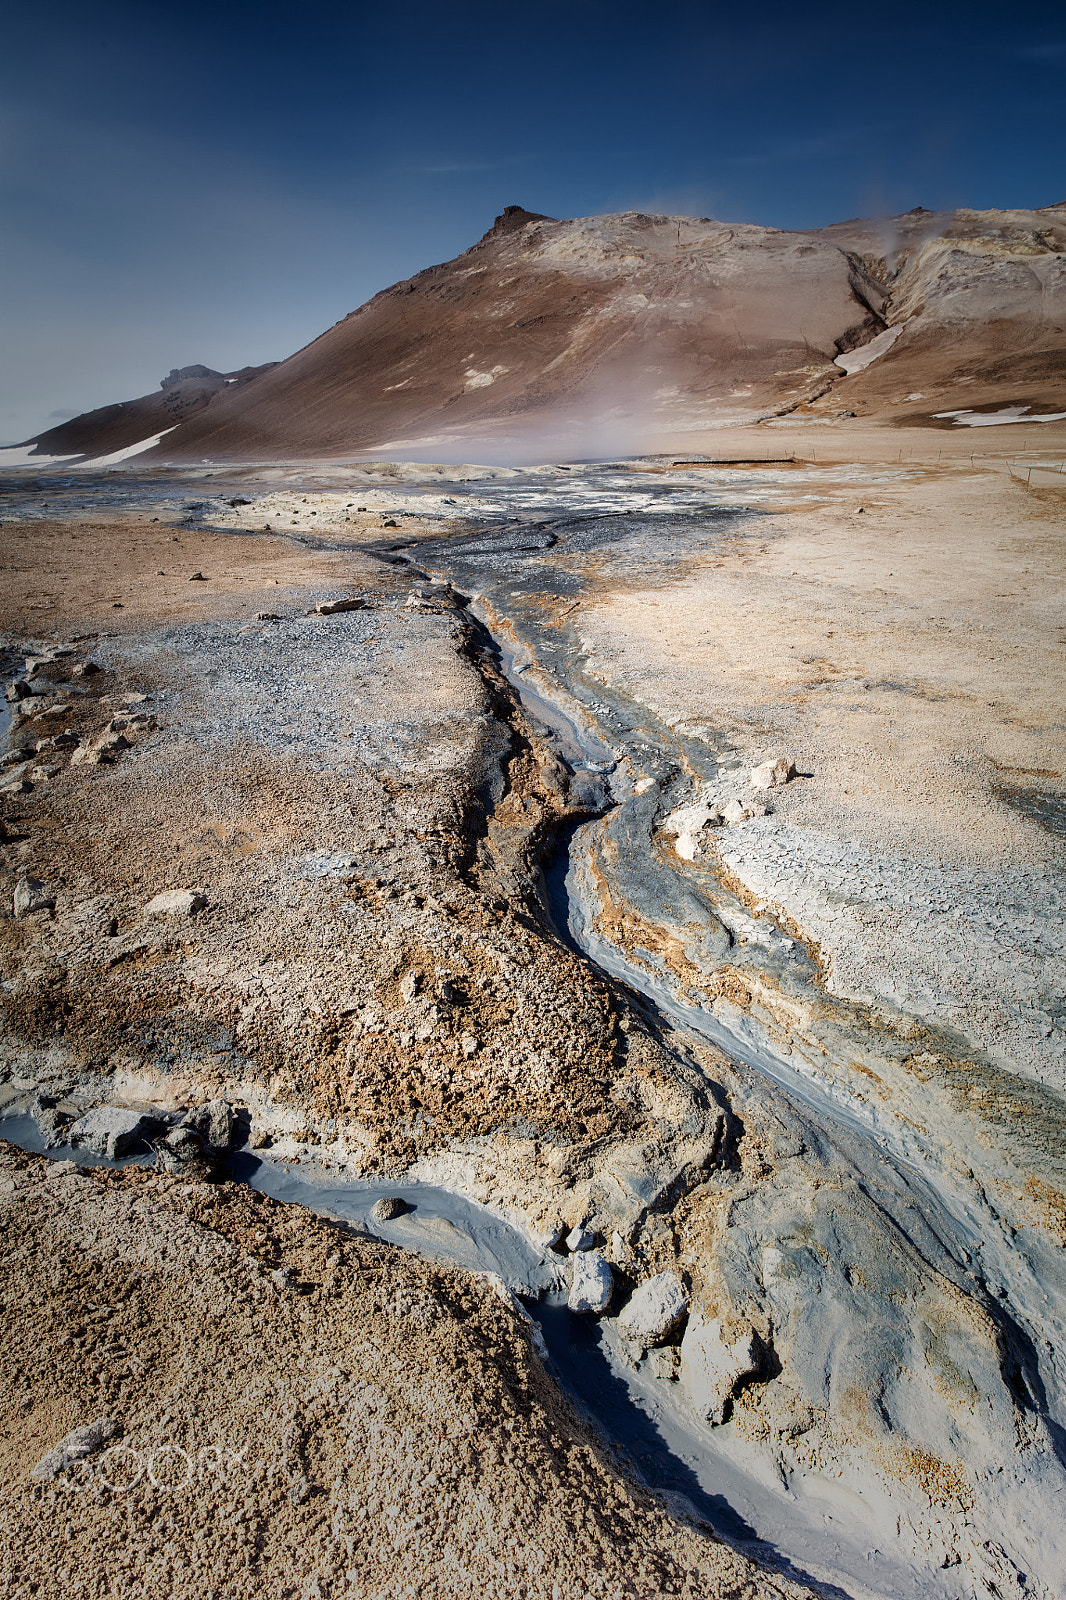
x=221, y=183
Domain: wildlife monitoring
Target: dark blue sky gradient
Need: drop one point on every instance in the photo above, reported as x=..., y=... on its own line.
x=220, y=183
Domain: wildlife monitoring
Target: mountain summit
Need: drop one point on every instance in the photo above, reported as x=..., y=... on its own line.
x=598, y=334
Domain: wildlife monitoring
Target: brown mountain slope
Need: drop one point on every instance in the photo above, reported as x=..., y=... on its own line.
x=545, y=327
x=604, y=334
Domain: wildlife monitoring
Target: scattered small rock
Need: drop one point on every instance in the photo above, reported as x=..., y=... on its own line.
x=580, y=1238
x=18, y=781
x=197, y=577
x=591, y=1285
x=329, y=608
x=388, y=1207
x=175, y=903
x=19, y=689
x=654, y=1309
x=774, y=773
x=32, y=895
x=409, y=986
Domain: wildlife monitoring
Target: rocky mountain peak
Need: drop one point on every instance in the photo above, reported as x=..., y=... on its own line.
x=511, y=218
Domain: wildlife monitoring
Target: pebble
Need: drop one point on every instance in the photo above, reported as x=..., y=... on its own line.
x=388, y=1207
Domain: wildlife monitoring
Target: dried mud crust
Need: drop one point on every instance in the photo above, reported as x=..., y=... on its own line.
x=298, y=1410
x=364, y=826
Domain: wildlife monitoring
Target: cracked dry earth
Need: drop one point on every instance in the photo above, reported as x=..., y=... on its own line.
x=383, y=985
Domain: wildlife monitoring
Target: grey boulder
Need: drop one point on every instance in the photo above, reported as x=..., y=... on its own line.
x=32, y=895
x=110, y=1131
x=213, y=1123
x=75, y=1447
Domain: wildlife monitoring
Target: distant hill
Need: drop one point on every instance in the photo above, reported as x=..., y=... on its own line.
x=184, y=393
x=589, y=335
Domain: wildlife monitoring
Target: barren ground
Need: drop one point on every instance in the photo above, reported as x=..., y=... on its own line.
x=374, y=986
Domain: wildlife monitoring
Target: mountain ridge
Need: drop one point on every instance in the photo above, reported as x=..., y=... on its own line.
x=617, y=329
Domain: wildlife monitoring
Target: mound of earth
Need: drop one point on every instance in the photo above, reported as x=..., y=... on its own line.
x=609, y=334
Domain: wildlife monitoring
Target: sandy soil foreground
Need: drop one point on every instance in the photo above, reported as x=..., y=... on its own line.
x=803, y=1059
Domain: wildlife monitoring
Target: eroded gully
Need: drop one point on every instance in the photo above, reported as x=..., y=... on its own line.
x=617, y=746
x=814, y=1530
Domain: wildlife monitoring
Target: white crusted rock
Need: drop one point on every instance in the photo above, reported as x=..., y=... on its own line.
x=551, y=1235
x=713, y=1363
x=102, y=752
x=736, y=811
x=32, y=895
x=688, y=823
x=773, y=774
x=654, y=1309
x=580, y=1238
x=591, y=1285
x=175, y=903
